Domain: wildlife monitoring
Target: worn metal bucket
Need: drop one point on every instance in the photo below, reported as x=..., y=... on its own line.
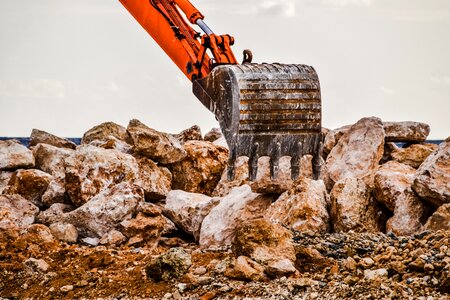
x=266, y=110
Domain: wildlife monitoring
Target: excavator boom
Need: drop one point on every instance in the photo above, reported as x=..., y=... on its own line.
x=263, y=109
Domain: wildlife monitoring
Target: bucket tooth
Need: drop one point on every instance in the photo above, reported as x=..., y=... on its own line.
x=274, y=161
x=253, y=162
x=295, y=161
x=316, y=164
x=275, y=106
x=230, y=165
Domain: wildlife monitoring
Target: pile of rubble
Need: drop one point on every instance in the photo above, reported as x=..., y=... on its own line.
x=159, y=208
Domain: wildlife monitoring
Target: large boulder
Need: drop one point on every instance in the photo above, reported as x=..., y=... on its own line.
x=155, y=180
x=263, y=183
x=357, y=152
x=413, y=155
x=354, y=208
x=14, y=155
x=440, y=220
x=51, y=160
x=432, y=181
x=188, y=210
x=202, y=168
x=16, y=212
x=157, y=146
x=406, y=131
x=30, y=184
x=41, y=137
x=143, y=229
x=106, y=210
x=104, y=131
x=393, y=183
x=302, y=208
x=90, y=170
x=263, y=241
x=332, y=137
x=218, y=227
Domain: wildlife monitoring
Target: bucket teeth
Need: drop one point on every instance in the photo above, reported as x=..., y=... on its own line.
x=316, y=164
x=266, y=110
x=230, y=165
x=295, y=161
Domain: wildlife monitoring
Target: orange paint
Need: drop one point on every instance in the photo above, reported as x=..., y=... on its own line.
x=162, y=19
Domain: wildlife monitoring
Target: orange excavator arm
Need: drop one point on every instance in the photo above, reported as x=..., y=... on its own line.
x=263, y=109
x=164, y=21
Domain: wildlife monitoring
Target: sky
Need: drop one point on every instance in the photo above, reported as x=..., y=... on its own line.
x=66, y=66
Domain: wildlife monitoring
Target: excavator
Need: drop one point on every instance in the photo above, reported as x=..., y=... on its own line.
x=263, y=109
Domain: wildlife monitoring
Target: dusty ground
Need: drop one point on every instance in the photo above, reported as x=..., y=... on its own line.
x=411, y=268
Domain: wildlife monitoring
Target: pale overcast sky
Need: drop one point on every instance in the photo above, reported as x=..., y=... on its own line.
x=67, y=65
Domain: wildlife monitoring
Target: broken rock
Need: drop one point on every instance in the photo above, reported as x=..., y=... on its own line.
x=193, y=133
x=213, y=135
x=432, y=182
x=106, y=210
x=244, y=268
x=104, y=131
x=30, y=184
x=280, y=268
x=14, y=155
x=332, y=137
x=440, y=220
x=302, y=208
x=41, y=137
x=218, y=227
x=156, y=181
x=51, y=160
x=54, y=213
x=148, y=227
x=157, y=146
x=5, y=176
x=37, y=265
x=113, y=238
x=64, y=232
x=393, y=183
x=111, y=142
x=357, y=152
x=90, y=170
x=263, y=241
x=16, y=211
x=413, y=155
x=406, y=131
x=188, y=210
x=353, y=207
x=201, y=170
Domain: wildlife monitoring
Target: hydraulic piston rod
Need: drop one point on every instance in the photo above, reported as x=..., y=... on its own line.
x=204, y=27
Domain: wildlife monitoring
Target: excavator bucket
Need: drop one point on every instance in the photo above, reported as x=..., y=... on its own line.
x=266, y=110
